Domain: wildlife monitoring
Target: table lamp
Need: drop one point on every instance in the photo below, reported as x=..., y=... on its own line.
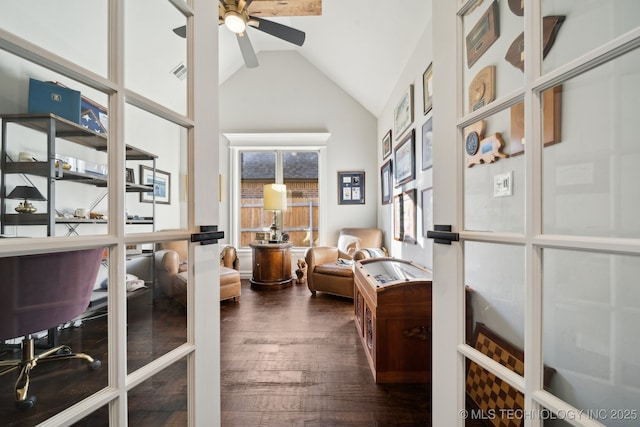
x=27, y=193
x=275, y=199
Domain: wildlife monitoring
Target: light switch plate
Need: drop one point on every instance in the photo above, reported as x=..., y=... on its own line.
x=503, y=184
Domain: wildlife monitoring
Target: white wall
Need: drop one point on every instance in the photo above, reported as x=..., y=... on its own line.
x=288, y=94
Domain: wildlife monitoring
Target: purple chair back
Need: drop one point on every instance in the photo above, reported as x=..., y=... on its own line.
x=42, y=291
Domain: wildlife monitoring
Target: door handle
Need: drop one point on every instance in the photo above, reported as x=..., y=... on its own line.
x=208, y=235
x=442, y=234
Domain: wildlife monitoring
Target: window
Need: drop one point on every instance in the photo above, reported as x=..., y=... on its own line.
x=298, y=170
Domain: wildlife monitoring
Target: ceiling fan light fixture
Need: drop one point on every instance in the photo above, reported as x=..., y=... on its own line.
x=235, y=22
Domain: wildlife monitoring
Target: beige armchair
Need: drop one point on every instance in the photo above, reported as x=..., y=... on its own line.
x=330, y=268
x=171, y=271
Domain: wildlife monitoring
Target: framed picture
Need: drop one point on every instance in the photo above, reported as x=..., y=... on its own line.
x=351, y=188
x=427, y=89
x=403, y=114
x=409, y=216
x=405, y=162
x=483, y=34
x=427, y=211
x=397, y=217
x=404, y=206
x=427, y=144
x=263, y=236
x=386, y=145
x=130, y=177
x=386, y=182
x=161, y=185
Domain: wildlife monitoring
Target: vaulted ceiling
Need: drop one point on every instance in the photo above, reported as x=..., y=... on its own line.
x=362, y=45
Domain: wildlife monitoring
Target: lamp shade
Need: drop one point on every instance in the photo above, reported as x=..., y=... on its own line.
x=25, y=192
x=275, y=197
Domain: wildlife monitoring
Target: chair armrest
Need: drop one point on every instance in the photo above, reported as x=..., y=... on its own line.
x=229, y=258
x=167, y=261
x=321, y=255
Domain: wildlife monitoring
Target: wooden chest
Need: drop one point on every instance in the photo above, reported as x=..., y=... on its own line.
x=392, y=311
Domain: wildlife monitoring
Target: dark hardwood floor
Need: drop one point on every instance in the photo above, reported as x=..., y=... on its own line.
x=291, y=359
x=288, y=359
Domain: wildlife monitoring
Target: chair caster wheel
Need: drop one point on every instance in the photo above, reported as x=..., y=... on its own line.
x=95, y=365
x=26, y=404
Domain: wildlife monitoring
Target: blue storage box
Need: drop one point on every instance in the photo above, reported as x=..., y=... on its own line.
x=45, y=97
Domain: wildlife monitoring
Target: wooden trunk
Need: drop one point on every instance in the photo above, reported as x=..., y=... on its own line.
x=392, y=310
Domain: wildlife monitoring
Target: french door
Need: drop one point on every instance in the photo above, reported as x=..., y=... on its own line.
x=128, y=174
x=535, y=169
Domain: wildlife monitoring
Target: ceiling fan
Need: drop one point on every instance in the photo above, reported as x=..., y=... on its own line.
x=234, y=15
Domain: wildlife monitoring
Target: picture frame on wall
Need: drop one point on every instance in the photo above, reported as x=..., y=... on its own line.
x=397, y=217
x=427, y=144
x=427, y=89
x=403, y=113
x=404, y=159
x=161, y=185
x=483, y=34
x=409, y=216
x=386, y=182
x=351, y=188
x=404, y=207
x=427, y=211
x=386, y=145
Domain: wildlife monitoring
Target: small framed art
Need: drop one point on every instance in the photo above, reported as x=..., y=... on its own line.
x=386, y=182
x=427, y=89
x=427, y=144
x=386, y=145
x=351, y=188
x=483, y=34
x=161, y=185
x=403, y=113
x=405, y=161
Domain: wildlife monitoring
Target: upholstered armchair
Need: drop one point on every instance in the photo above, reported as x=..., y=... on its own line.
x=171, y=271
x=329, y=268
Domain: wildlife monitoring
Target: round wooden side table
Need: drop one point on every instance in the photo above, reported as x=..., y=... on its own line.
x=271, y=266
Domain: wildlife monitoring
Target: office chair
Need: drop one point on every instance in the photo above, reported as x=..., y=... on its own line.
x=41, y=292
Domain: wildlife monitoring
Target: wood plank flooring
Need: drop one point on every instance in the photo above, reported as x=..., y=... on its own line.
x=291, y=359
x=288, y=359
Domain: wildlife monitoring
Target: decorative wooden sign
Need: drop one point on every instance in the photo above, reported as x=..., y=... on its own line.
x=483, y=34
x=550, y=27
x=551, y=121
x=488, y=149
x=482, y=88
x=517, y=7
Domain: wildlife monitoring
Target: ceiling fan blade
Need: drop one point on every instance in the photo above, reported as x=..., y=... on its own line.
x=278, y=30
x=181, y=31
x=248, y=54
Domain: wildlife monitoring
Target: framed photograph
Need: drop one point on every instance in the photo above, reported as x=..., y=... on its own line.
x=386, y=182
x=427, y=144
x=427, y=89
x=404, y=159
x=386, y=145
x=427, y=211
x=351, y=188
x=483, y=34
x=403, y=113
x=397, y=217
x=130, y=177
x=263, y=236
x=405, y=216
x=161, y=185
